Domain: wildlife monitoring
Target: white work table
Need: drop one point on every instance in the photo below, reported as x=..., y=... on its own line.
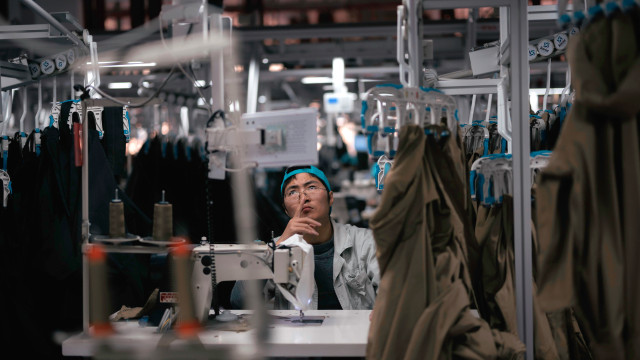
x=342, y=333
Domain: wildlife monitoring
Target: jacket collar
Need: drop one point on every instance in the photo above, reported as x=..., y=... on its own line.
x=341, y=238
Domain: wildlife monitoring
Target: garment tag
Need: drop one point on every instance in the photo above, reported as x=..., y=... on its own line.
x=47, y=66
x=560, y=41
x=71, y=56
x=532, y=52
x=34, y=68
x=61, y=62
x=545, y=47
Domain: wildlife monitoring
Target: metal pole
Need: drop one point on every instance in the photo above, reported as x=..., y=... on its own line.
x=85, y=216
x=217, y=67
x=253, y=80
x=519, y=34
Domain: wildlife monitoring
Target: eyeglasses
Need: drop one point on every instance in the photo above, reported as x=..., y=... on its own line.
x=294, y=194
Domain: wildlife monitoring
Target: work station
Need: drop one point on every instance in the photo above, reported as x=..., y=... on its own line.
x=267, y=179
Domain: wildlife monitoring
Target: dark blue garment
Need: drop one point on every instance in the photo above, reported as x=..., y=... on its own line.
x=323, y=274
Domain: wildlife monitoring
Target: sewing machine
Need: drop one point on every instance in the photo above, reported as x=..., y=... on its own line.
x=241, y=262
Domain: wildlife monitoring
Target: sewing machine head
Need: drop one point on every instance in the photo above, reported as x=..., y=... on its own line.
x=225, y=262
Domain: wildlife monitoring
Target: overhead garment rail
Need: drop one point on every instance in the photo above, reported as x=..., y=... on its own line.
x=56, y=53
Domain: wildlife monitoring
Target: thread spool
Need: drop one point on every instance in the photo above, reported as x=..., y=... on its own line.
x=98, y=294
x=162, y=220
x=188, y=324
x=116, y=218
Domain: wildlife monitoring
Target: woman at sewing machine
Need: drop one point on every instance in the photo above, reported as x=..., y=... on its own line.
x=346, y=271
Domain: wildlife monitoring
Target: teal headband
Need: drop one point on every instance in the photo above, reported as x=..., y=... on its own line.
x=311, y=170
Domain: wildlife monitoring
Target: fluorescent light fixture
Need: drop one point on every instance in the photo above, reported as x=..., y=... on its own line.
x=120, y=85
x=542, y=91
x=130, y=65
x=104, y=62
x=321, y=80
x=275, y=67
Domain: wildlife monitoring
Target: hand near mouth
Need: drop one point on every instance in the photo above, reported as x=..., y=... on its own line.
x=300, y=224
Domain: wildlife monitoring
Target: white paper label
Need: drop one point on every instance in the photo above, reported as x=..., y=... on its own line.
x=47, y=66
x=35, y=69
x=545, y=47
x=61, y=62
x=532, y=52
x=71, y=56
x=560, y=41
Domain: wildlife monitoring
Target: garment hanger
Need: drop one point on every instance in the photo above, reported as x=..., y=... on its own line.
x=7, y=99
x=21, y=134
x=37, y=143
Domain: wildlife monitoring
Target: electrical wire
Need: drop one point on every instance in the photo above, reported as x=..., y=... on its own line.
x=194, y=81
x=143, y=103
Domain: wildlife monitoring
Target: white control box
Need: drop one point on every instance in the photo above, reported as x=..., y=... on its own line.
x=339, y=102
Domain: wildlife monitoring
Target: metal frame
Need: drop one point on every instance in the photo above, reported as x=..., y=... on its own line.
x=515, y=27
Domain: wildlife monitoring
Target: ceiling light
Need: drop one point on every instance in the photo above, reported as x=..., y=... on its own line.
x=542, y=91
x=137, y=64
x=321, y=80
x=275, y=67
x=120, y=85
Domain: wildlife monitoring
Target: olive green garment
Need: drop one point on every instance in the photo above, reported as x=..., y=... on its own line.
x=422, y=310
x=494, y=231
x=588, y=197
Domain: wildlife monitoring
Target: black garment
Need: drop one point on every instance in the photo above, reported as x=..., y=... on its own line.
x=323, y=274
x=114, y=141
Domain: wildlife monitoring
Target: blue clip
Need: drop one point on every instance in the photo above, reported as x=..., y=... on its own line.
x=146, y=146
x=388, y=130
x=397, y=86
x=479, y=193
x=486, y=146
x=5, y=152
x=127, y=134
x=595, y=12
x=564, y=20
x=611, y=8
x=472, y=178
x=578, y=18
x=455, y=115
x=628, y=5
x=504, y=145
x=372, y=129
x=164, y=149
x=429, y=89
x=365, y=106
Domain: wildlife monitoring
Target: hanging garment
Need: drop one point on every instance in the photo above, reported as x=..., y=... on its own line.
x=588, y=199
x=422, y=309
x=556, y=335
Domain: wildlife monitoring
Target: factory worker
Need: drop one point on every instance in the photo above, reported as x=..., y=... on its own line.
x=346, y=270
